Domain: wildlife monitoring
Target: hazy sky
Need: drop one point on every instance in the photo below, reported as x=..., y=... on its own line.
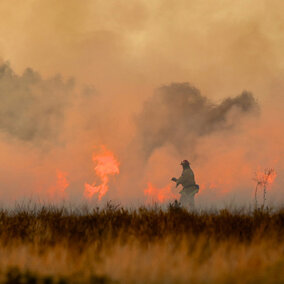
x=124, y=50
x=222, y=46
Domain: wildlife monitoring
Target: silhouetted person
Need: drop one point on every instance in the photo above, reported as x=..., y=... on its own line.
x=190, y=188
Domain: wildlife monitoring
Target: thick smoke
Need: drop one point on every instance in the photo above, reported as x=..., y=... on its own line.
x=226, y=143
x=179, y=114
x=176, y=122
x=32, y=109
x=45, y=125
x=49, y=126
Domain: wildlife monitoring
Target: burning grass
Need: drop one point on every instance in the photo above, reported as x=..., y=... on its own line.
x=146, y=245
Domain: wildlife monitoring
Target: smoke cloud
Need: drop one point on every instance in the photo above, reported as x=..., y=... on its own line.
x=178, y=114
x=32, y=109
x=176, y=122
x=50, y=126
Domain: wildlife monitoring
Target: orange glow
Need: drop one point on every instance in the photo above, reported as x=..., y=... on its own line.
x=265, y=178
x=159, y=195
x=105, y=165
x=59, y=190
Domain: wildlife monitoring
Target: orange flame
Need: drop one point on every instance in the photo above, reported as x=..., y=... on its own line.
x=159, y=195
x=106, y=165
x=58, y=191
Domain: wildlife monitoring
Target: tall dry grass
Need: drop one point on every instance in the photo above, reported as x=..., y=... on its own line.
x=116, y=245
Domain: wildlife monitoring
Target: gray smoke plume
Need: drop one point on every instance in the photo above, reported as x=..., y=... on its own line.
x=179, y=114
x=32, y=109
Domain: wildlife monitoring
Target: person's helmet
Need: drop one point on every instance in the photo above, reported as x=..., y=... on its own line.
x=185, y=163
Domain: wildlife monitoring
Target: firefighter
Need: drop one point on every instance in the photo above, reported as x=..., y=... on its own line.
x=190, y=188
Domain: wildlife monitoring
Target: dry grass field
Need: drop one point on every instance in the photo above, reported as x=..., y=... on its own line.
x=145, y=245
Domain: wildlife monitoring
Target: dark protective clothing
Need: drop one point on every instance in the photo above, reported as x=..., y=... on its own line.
x=190, y=188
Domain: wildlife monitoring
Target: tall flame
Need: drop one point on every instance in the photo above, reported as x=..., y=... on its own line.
x=105, y=165
x=159, y=195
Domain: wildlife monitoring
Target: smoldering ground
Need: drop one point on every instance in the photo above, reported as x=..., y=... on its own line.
x=51, y=125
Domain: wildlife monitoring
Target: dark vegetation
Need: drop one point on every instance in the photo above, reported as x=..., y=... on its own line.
x=80, y=229
x=49, y=227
